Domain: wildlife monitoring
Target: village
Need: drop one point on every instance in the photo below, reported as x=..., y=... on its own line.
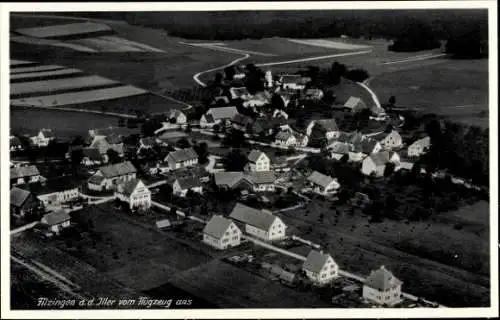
x=234, y=180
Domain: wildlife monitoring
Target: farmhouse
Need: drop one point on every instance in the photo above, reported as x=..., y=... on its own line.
x=314, y=94
x=320, y=267
x=285, y=139
x=92, y=157
x=354, y=104
x=241, y=122
x=109, y=177
x=419, y=147
x=257, y=100
x=294, y=82
x=382, y=287
x=15, y=143
x=257, y=161
x=217, y=115
x=323, y=128
x=228, y=179
x=43, y=138
x=261, y=181
x=175, y=116
x=105, y=143
x=368, y=146
x=239, y=93
x=135, y=193
x=170, y=137
x=56, y=221
x=389, y=140
x=339, y=149
x=375, y=163
x=259, y=223
x=25, y=174
x=54, y=192
x=182, y=158
x=351, y=138
x=23, y=203
x=322, y=183
x=221, y=233
x=180, y=187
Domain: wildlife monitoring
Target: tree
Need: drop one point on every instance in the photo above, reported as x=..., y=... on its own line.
x=183, y=143
x=229, y=72
x=202, y=152
x=389, y=169
x=392, y=101
x=235, y=138
x=277, y=102
x=113, y=156
x=218, y=78
x=235, y=160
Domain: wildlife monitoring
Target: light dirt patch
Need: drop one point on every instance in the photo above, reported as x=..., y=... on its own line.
x=330, y=44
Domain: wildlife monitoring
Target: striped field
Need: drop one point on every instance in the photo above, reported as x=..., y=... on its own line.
x=58, y=84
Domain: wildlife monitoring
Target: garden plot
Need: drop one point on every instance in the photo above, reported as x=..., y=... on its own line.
x=105, y=45
x=44, y=74
x=330, y=44
x=79, y=97
x=35, y=69
x=59, y=84
x=70, y=29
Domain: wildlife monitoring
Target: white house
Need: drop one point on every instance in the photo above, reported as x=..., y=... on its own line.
x=269, y=79
x=257, y=161
x=217, y=115
x=221, y=233
x=176, y=116
x=294, y=82
x=354, y=104
x=261, y=181
x=135, y=193
x=382, y=287
x=320, y=267
x=43, y=138
x=375, y=163
x=314, y=94
x=389, y=140
x=15, y=143
x=180, y=187
x=259, y=99
x=56, y=221
x=182, y=158
x=325, y=127
x=322, y=183
x=54, y=192
x=24, y=174
x=261, y=224
x=419, y=147
x=111, y=176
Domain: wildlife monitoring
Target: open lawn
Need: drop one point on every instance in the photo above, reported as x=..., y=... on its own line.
x=433, y=258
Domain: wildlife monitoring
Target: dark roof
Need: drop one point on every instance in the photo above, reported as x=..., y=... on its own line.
x=217, y=226
x=18, y=196
x=92, y=153
x=96, y=179
x=320, y=179
x=54, y=185
x=222, y=113
x=366, y=145
x=148, y=141
x=118, y=169
x=14, y=141
x=183, y=155
x=209, y=118
x=47, y=133
x=382, y=279
x=380, y=158
x=189, y=183
x=258, y=218
x=382, y=135
x=327, y=124
x=254, y=155
x=129, y=187
x=261, y=177
x=114, y=138
x=315, y=261
x=26, y=171
x=55, y=217
x=228, y=178
x=242, y=119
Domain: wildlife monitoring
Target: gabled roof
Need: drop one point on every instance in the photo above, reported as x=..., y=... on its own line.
x=114, y=138
x=21, y=172
x=100, y=143
x=320, y=179
x=92, y=153
x=284, y=135
x=188, y=183
x=254, y=155
x=294, y=78
x=222, y=113
x=382, y=135
x=129, y=187
x=327, y=124
x=183, y=155
x=316, y=261
x=238, y=92
x=96, y=179
x=425, y=142
x=380, y=158
x=223, y=98
x=366, y=146
x=340, y=148
x=217, y=226
x=242, y=119
x=209, y=118
x=118, y=169
x=18, y=196
x=354, y=103
x=47, y=133
x=174, y=113
x=14, y=141
x=257, y=218
x=53, y=185
x=228, y=178
x=261, y=177
x=56, y=217
x=148, y=141
x=382, y=279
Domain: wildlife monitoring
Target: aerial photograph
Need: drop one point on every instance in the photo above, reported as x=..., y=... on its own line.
x=249, y=159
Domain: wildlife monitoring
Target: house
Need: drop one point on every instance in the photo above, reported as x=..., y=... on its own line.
x=241, y=122
x=135, y=193
x=257, y=161
x=217, y=115
x=314, y=94
x=43, y=138
x=220, y=100
x=180, y=187
x=25, y=174
x=269, y=82
x=389, y=140
x=382, y=287
x=322, y=183
x=261, y=127
x=111, y=176
x=170, y=137
x=228, y=179
x=286, y=97
x=105, y=143
x=280, y=164
x=147, y=143
x=176, y=116
x=261, y=181
x=419, y=147
x=261, y=224
x=92, y=157
x=285, y=139
x=294, y=82
x=239, y=93
x=277, y=113
x=339, y=149
x=182, y=158
x=351, y=138
x=56, y=221
x=56, y=191
x=320, y=267
x=15, y=143
x=375, y=163
x=221, y=233
x=259, y=99
x=354, y=104
x=23, y=203
x=377, y=112
x=368, y=146
x=326, y=128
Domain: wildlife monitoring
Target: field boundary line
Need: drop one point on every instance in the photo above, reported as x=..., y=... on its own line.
x=313, y=58
x=114, y=114
x=415, y=58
